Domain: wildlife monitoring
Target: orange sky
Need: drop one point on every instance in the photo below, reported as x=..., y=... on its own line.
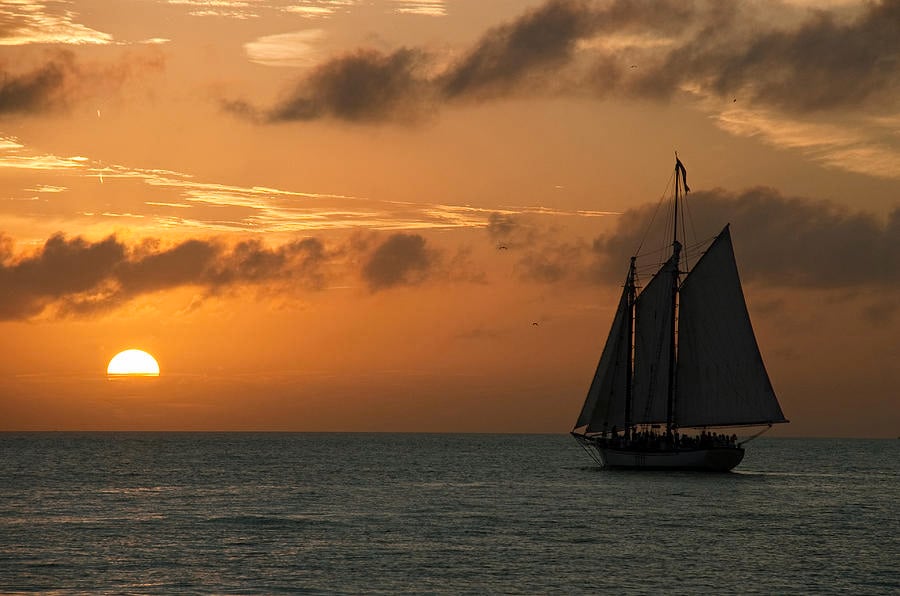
x=296, y=206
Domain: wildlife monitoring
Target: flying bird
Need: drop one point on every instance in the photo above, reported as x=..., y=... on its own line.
x=536, y=324
x=502, y=247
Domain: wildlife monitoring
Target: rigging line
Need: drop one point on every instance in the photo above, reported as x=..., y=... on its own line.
x=768, y=428
x=582, y=440
x=654, y=267
x=705, y=243
x=699, y=243
x=690, y=219
x=656, y=251
x=652, y=261
x=655, y=213
x=684, y=206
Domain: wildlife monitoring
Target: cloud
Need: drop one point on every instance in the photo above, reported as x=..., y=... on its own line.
x=63, y=267
x=881, y=311
x=76, y=277
x=25, y=22
x=362, y=86
x=527, y=48
x=855, y=146
x=783, y=242
x=502, y=226
x=780, y=241
x=822, y=64
x=428, y=8
x=39, y=90
x=400, y=259
x=578, y=47
x=371, y=86
x=61, y=79
x=310, y=11
x=234, y=9
x=186, y=203
x=554, y=262
x=512, y=231
x=298, y=48
x=541, y=255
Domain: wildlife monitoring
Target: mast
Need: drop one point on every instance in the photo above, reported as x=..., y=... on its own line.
x=670, y=398
x=679, y=169
x=676, y=253
x=629, y=357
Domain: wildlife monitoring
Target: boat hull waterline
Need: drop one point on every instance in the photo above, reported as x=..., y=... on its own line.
x=714, y=459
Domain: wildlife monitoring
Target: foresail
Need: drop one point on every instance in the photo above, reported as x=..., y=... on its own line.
x=721, y=378
x=604, y=406
x=652, y=347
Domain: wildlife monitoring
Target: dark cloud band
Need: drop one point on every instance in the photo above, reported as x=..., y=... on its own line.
x=824, y=63
x=61, y=80
x=76, y=277
x=781, y=241
x=38, y=90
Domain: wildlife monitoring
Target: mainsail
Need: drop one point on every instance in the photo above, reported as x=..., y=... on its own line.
x=721, y=378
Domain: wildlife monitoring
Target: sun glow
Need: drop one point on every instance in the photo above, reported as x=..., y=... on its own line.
x=133, y=363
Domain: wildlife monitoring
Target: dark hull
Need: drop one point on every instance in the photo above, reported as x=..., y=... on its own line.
x=710, y=459
x=718, y=459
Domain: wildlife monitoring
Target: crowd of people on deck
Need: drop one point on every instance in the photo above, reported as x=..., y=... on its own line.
x=652, y=440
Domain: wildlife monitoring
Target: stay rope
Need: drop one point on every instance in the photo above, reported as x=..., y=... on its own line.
x=767, y=429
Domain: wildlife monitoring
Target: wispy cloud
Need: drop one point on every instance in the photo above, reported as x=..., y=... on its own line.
x=317, y=9
x=189, y=204
x=13, y=154
x=860, y=146
x=233, y=9
x=27, y=22
x=47, y=188
x=300, y=48
x=430, y=8
x=310, y=9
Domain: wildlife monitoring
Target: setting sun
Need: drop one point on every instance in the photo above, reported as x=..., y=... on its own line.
x=133, y=362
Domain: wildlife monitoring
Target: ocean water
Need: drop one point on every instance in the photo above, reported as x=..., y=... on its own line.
x=394, y=513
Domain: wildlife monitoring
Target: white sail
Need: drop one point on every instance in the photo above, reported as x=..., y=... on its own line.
x=604, y=406
x=721, y=378
x=652, y=347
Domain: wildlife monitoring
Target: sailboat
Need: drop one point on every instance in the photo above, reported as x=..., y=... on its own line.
x=681, y=362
